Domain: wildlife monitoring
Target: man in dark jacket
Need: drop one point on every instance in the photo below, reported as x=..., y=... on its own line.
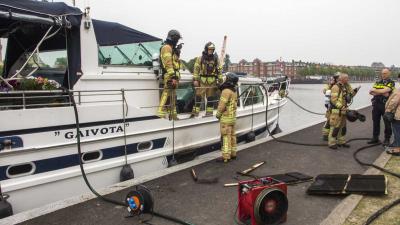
x=381, y=92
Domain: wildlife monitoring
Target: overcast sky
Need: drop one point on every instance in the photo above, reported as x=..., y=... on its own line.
x=351, y=32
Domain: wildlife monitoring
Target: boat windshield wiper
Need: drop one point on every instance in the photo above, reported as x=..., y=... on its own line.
x=124, y=55
x=145, y=50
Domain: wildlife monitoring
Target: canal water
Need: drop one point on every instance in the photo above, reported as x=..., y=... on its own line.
x=310, y=96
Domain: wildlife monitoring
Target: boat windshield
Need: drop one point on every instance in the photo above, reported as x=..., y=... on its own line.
x=138, y=54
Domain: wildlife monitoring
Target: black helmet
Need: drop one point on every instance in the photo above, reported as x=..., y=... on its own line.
x=353, y=115
x=361, y=117
x=231, y=79
x=174, y=36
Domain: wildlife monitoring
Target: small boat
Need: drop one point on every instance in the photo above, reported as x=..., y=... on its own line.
x=59, y=57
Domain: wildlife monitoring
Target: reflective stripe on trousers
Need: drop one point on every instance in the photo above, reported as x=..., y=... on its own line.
x=228, y=135
x=167, y=102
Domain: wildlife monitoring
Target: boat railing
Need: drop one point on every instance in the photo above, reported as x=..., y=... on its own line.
x=60, y=98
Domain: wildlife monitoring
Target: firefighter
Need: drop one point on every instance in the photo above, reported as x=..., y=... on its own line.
x=381, y=92
x=327, y=93
x=341, y=96
x=170, y=64
x=207, y=75
x=226, y=114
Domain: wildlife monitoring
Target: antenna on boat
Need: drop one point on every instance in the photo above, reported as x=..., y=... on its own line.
x=73, y=2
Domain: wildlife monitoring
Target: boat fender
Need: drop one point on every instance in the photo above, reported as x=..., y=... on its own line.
x=126, y=173
x=5, y=207
x=250, y=137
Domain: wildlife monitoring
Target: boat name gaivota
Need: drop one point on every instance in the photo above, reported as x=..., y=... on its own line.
x=92, y=132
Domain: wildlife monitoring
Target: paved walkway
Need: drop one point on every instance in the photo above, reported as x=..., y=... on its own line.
x=212, y=204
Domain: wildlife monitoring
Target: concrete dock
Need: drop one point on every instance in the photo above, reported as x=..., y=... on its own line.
x=178, y=195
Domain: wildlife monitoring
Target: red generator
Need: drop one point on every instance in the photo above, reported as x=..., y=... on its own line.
x=262, y=201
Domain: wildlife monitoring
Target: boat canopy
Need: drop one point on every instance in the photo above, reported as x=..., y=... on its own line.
x=25, y=23
x=110, y=33
x=50, y=13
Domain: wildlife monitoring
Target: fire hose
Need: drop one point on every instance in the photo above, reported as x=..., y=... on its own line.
x=377, y=213
x=109, y=200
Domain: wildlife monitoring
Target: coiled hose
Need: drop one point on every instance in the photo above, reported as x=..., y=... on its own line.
x=109, y=200
x=377, y=213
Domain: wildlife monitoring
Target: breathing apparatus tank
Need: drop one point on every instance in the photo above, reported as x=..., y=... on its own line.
x=327, y=98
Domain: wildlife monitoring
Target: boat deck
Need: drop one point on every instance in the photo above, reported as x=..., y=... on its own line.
x=178, y=195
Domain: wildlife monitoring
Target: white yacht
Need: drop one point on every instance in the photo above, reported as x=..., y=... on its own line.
x=53, y=50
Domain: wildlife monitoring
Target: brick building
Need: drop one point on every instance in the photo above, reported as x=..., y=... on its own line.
x=266, y=69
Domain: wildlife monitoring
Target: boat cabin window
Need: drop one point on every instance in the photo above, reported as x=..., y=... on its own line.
x=138, y=54
x=47, y=64
x=251, y=94
x=37, y=67
x=185, y=97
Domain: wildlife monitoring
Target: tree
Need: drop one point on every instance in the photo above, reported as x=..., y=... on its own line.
x=227, y=62
x=190, y=65
x=61, y=62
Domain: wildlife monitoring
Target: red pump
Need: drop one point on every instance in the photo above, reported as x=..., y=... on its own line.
x=262, y=201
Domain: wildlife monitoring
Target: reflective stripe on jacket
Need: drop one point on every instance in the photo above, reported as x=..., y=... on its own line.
x=227, y=106
x=170, y=62
x=338, y=95
x=204, y=74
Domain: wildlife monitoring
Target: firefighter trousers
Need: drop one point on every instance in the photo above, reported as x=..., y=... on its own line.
x=326, y=127
x=228, y=135
x=337, y=129
x=167, y=105
x=208, y=91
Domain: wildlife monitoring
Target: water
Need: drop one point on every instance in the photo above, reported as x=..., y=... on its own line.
x=310, y=96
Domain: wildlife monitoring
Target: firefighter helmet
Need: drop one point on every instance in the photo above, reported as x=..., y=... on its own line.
x=231, y=79
x=174, y=36
x=208, y=46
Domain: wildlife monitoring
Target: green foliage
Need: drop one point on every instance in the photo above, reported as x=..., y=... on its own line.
x=227, y=62
x=61, y=62
x=315, y=69
x=190, y=65
x=29, y=84
x=38, y=83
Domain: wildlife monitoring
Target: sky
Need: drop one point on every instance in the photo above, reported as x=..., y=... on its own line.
x=345, y=32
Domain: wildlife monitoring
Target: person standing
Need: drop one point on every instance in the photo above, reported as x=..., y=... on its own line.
x=226, y=114
x=381, y=92
x=327, y=92
x=341, y=96
x=392, y=114
x=207, y=75
x=170, y=64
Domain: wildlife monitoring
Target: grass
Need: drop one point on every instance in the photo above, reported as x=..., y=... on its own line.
x=369, y=205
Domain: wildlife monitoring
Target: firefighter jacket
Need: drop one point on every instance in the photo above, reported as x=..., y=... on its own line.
x=227, y=106
x=341, y=95
x=170, y=63
x=207, y=70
